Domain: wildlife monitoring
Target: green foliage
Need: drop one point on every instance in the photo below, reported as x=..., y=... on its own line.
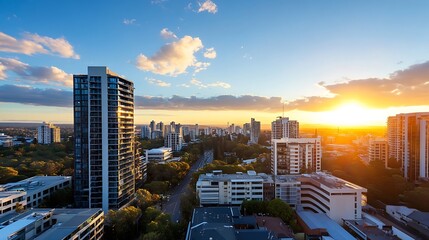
x=158, y=187
x=7, y=173
x=124, y=221
x=145, y=199
x=35, y=159
x=173, y=172
x=152, y=143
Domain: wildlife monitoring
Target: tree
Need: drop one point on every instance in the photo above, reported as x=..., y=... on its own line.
x=278, y=208
x=19, y=208
x=7, y=173
x=124, y=221
x=144, y=198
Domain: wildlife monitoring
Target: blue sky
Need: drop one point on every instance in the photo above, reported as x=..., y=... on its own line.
x=282, y=51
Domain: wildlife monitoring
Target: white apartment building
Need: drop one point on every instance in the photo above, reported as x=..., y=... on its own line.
x=46, y=224
x=408, y=140
x=229, y=189
x=378, y=150
x=48, y=133
x=30, y=192
x=174, y=140
x=295, y=155
x=288, y=189
x=159, y=155
x=284, y=128
x=337, y=198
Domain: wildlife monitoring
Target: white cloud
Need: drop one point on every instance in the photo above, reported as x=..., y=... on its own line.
x=129, y=21
x=165, y=33
x=208, y=6
x=219, y=84
x=34, y=43
x=210, y=53
x=173, y=58
x=200, y=66
x=200, y=84
x=46, y=75
x=184, y=85
x=158, y=82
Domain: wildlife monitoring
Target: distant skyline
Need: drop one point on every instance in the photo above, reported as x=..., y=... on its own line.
x=332, y=62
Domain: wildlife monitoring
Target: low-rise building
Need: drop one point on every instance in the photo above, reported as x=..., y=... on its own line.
x=320, y=226
x=159, y=155
x=31, y=192
x=229, y=189
x=47, y=224
x=337, y=198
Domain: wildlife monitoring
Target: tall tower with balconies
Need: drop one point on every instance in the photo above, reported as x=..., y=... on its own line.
x=104, y=139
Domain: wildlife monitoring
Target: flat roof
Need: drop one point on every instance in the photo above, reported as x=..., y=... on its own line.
x=332, y=182
x=20, y=223
x=35, y=184
x=229, y=177
x=67, y=221
x=321, y=220
x=371, y=230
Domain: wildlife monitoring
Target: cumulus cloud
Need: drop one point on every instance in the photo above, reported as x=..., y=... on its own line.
x=158, y=82
x=165, y=33
x=34, y=43
x=35, y=96
x=210, y=53
x=217, y=103
x=129, y=21
x=408, y=87
x=46, y=75
x=173, y=58
x=200, y=84
x=208, y=6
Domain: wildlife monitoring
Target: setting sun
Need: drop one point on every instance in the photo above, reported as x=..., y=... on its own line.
x=349, y=114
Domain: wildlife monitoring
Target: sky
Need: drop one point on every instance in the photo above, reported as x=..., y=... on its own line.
x=331, y=62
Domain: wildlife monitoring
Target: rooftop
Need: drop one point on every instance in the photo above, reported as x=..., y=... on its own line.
x=160, y=150
x=322, y=221
x=68, y=220
x=332, y=182
x=34, y=184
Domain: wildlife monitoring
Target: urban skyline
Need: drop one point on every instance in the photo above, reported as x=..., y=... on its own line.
x=193, y=62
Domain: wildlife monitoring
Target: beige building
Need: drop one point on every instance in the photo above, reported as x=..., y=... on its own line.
x=378, y=150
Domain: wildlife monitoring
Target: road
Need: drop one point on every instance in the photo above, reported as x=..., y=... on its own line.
x=172, y=204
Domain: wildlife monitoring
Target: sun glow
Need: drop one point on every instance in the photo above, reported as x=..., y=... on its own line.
x=350, y=114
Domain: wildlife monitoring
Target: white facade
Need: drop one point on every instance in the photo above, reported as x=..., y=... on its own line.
x=337, y=198
x=174, y=140
x=288, y=189
x=229, y=189
x=295, y=155
x=48, y=133
x=159, y=155
x=41, y=224
x=378, y=150
x=31, y=191
x=408, y=140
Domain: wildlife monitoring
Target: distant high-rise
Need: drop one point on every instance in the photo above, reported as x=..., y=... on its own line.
x=378, y=150
x=284, y=128
x=255, y=130
x=152, y=126
x=174, y=139
x=146, y=132
x=296, y=155
x=104, y=175
x=48, y=133
x=408, y=140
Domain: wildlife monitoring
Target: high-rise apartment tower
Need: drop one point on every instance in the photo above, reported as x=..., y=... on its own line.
x=104, y=174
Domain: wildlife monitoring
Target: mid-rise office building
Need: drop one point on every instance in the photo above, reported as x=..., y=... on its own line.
x=255, y=131
x=408, y=140
x=229, y=189
x=104, y=139
x=30, y=192
x=377, y=150
x=159, y=155
x=296, y=155
x=284, y=128
x=337, y=198
x=47, y=224
x=48, y=133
